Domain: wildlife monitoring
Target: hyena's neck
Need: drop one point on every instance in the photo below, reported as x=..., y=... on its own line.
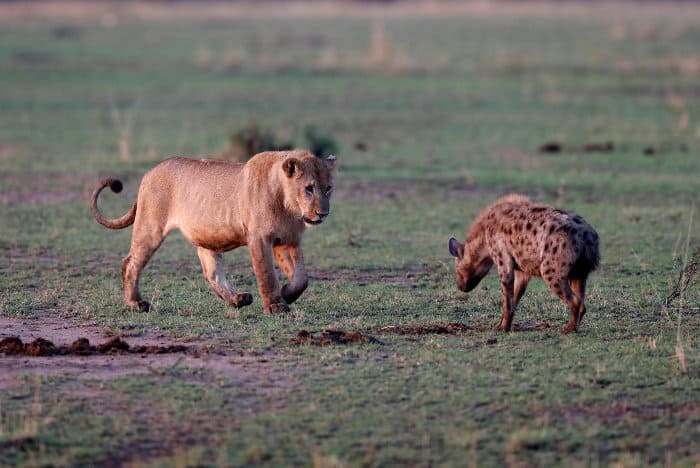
x=476, y=245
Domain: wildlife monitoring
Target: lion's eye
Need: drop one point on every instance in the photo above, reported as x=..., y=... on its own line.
x=329, y=189
x=309, y=190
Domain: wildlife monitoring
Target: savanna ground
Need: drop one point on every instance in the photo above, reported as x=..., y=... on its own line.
x=438, y=112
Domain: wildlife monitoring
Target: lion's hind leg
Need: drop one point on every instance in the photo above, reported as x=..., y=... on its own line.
x=141, y=251
x=213, y=270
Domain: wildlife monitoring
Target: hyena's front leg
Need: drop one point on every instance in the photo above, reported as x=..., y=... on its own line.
x=291, y=261
x=506, y=274
x=268, y=283
x=521, y=280
x=213, y=270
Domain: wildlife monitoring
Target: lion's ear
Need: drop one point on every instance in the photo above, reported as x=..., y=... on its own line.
x=331, y=162
x=456, y=248
x=290, y=166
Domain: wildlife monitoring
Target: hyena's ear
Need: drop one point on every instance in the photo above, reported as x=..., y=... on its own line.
x=456, y=249
x=331, y=163
x=291, y=166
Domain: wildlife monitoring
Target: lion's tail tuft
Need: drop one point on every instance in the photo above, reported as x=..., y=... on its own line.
x=120, y=223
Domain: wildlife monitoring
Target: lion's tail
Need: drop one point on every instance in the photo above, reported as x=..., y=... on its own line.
x=119, y=223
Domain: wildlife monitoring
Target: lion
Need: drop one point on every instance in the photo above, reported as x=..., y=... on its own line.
x=524, y=240
x=266, y=204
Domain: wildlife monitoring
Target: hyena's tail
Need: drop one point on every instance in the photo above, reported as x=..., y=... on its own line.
x=590, y=257
x=119, y=223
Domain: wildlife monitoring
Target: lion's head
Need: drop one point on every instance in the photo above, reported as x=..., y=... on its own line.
x=309, y=186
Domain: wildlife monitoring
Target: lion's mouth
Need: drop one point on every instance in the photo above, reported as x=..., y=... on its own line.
x=312, y=222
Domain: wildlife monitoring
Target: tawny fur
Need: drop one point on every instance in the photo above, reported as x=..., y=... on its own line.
x=266, y=204
x=524, y=240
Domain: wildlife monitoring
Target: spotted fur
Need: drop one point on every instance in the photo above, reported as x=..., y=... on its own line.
x=523, y=240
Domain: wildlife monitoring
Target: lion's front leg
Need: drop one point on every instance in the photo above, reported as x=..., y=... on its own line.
x=291, y=261
x=268, y=283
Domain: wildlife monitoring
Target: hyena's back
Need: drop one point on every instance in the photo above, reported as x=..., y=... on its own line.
x=542, y=240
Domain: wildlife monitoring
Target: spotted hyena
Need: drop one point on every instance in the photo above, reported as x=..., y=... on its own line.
x=524, y=240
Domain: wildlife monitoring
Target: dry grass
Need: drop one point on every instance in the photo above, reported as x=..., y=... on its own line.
x=686, y=275
x=123, y=121
x=111, y=11
x=688, y=268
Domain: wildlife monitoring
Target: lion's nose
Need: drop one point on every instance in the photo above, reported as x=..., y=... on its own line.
x=322, y=214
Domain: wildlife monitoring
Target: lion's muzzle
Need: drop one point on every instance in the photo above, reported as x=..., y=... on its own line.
x=317, y=221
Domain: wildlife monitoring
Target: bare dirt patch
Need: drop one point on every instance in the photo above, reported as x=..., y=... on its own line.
x=340, y=337
x=331, y=337
x=145, y=354
x=109, y=12
x=46, y=187
x=429, y=329
x=452, y=328
x=14, y=346
x=377, y=275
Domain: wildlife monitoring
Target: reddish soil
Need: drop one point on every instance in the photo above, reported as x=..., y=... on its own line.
x=54, y=345
x=452, y=328
x=429, y=329
x=113, y=11
x=339, y=337
x=13, y=346
x=331, y=337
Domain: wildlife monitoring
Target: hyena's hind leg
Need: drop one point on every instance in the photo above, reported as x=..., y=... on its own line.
x=562, y=288
x=213, y=271
x=578, y=285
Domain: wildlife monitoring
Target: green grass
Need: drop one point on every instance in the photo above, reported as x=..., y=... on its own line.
x=447, y=134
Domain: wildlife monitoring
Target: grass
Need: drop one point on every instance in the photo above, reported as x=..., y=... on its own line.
x=456, y=125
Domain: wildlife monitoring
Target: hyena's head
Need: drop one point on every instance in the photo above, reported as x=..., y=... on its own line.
x=471, y=264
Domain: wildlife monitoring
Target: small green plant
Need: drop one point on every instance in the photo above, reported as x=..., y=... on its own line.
x=320, y=144
x=253, y=139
